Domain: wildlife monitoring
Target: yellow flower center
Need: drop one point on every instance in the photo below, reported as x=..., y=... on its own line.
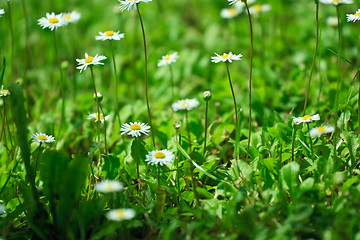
x=184, y=104
x=306, y=117
x=232, y=11
x=97, y=116
x=321, y=129
x=357, y=14
x=109, y=187
x=53, y=20
x=335, y=0
x=42, y=137
x=135, y=127
x=159, y=155
x=67, y=16
x=167, y=58
x=120, y=213
x=5, y=91
x=257, y=7
x=225, y=55
x=89, y=59
x=109, y=33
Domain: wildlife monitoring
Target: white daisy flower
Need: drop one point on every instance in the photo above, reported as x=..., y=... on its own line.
x=120, y=214
x=96, y=117
x=128, y=4
x=186, y=104
x=168, y=59
x=336, y=2
x=161, y=157
x=52, y=21
x=2, y=11
x=318, y=131
x=110, y=35
x=42, y=138
x=353, y=17
x=228, y=13
x=109, y=186
x=135, y=129
x=306, y=119
x=257, y=8
x=89, y=60
x=226, y=57
x=72, y=17
x=239, y=4
x=2, y=209
x=332, y=21
x=4, y=92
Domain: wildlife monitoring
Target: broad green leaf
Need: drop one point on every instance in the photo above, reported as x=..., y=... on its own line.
x=289, y=176
x=2, y=72
x=110, y=166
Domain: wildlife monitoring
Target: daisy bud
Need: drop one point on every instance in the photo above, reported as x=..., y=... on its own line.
x=98, y=96
x=207, y=95
x=177, y=125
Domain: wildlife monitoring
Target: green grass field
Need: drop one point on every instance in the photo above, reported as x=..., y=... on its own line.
x=282, y=164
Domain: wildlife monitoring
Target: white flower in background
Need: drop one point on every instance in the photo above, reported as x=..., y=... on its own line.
x=129, y=4
x=229, y=12
x=161, y=157
x=72, y=17
x=135, y=129
x=332, y=21
x=120, y=214
x=168, y=59
x=4, y=92
x=109, y=186
x=89, y=60
x=52, y=21
x=353, y=17
x=42, y=138
x=110, y=35
x=239, y=4
x=96, y=117
x=226, y=57
x=306, y=119
x=2, y=209
x=336, y=2
x=257, y=8
x=186, y=104
x=2, y=11
x=318, y=131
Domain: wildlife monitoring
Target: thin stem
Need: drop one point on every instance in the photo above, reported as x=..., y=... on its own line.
x=359, y=109
x=314, y=58
x=137, y=165
x=233, y=95
x=293, y=143
x=97, y=103
x=158, y=170
x=146, y=76
x=172, y=83
x=250, y=79
x=11, y=37
x=206, y=125
x=37, y=159
x=177, y=171
x=311, y=144
x=103, y=114
x=188, y=130
x=3, y=125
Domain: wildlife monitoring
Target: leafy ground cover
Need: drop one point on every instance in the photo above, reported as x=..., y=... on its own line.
x=67, y=173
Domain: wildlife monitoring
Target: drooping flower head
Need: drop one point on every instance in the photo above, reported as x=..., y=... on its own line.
x=186, y=104
x=4, y=92
x=71, y=17
x=318, y=131
x=168, y=59
x=353, y=17
x=42, y=138
x=159, y=157
x=109, y=186
x=135, y=129
x=89, y=60
x=2, y=11
x=120, y=214
x=96, y=117
x=228, y=13
x=52, y=21
x=110, y=35
x=336, y=2
x=130, y=4
x=226, y=57
x=306, y=119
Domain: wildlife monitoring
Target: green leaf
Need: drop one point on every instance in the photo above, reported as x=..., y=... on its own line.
x=110, y=166
x=289, y=176
x=2, y=72
x=138, y=147
x=352, y=145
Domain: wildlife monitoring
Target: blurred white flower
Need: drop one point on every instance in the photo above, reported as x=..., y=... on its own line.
x=336, y=2
x=2, y=11
x=2, y=209
x=161, y=157
x=72, y=17
x=120, y=214
x=42, y=138
x=318, y=131
x=226, y=57
x=257, y=8
x=306, y=119
x=229, y=13
x=52, y=21
x=129, y=4
x=135, y=129
x=353, y=17
x=110, y=35
x=186, y=104
x=332, y=21
x=168, y=59
x=4, y=92
x=89, y=60
x=109, y=186
x=96, y=117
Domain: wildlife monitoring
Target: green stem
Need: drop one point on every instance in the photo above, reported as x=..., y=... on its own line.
x=233, y=95
x=311, y=144
x=206, y=125
x=146, y=76
x=37, y=159
x=188, y=130
x=102, y=111
x=172, y=83
x=3, y=125
x=158, y=170
x=97, y=103
x=137, y=165
x=293, y=142
x=250, y=79
x=177, y=171
x=11, y=37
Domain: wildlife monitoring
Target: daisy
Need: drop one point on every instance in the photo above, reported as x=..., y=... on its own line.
x=318, y=131
x=239, y=4
x=71, y=17
x=42, y=138
x=96, y=117
x=332, y=21
x=110, y=35
x=161, y=157
x=135, y=129
x=353, y=17
x=52, y=21
x=89, y=60
x=128, y=4
x=336, y=2
x=98, y=96
x=257, y=8
x=168, y=59
x=228, y=13
x=226, y=57
x=2, y=11
x=306, y=118
x=186, y=104
x=4, y=92
x=121, y=214
x=109, y=186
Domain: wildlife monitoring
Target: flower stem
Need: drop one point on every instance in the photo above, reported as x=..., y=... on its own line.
x=311, y=144
x=137, y=165
x=11, y=37
x=158, y=170
x=172, y=83
x=233, y=95
x=188, y=130
x=98, y=106
x=206, y=125
x=314, y=58
x=250, y=79
x=102, y=112
x=37, y=159
x=146, y=76
x=177, y=180
x=293, y=142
